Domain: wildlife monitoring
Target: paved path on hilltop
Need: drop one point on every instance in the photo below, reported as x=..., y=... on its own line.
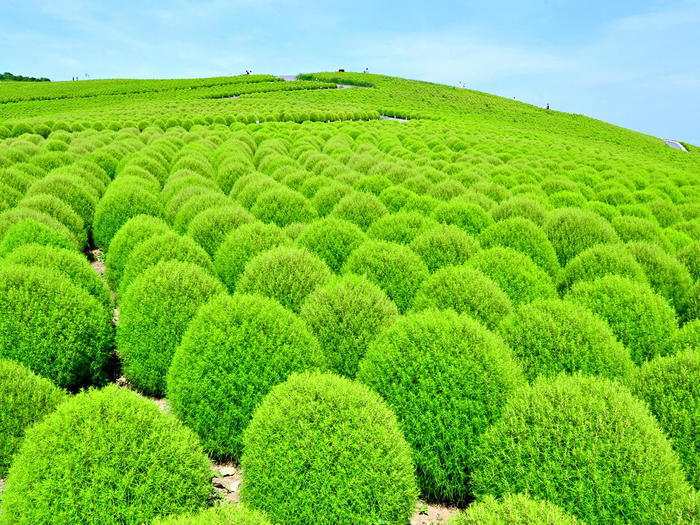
x=675, y=144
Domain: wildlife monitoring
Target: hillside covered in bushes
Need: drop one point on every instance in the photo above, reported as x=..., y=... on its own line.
x=368, y=294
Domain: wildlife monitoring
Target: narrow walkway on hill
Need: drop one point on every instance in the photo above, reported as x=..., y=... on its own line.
x=675, y=144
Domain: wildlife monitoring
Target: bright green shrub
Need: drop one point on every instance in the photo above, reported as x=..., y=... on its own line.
x=668, y=277
x=572, y=230
x=324, y=449
x=422, y=204
x=393, y=267
x=642, y=320
x=30, y=231
x=552, y=336
x=112, y=457
x=678, y=240
x=465, y=290
x=196, y=205
x=345, y=315
x=153, y=316
x=692, y=308
x=120, y=203
x=520, y=206
x=635, y=229
x=690, y=257
x=241, y=245
x=688, y=336
x=359, y=208
x=210, y=227
x=224, y=514
x=524, y=236
x=671, y=388
x=469, y=216
x=395, y=197
x=283, y=206
x=134, y=231
x=25, y=398
x=442, y=367
x=607, y=462
x=72, y=190
x=286, y=274
x=165, y=247
x=53, y=326
x=234, y=350
x=325, y=199
x=69, y=262
x=520, y=278
x=444, y=245
x=600, y=260
x=515, y=509
x=59, y=210
x=401, y=227
x=332, y=240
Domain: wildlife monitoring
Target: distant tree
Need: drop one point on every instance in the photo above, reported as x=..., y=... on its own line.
x=21, y=78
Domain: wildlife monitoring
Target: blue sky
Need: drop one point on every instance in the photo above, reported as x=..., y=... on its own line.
x=635, y=64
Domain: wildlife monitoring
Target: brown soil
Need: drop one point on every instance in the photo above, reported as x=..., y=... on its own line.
x=228, y=483
x=432, y=514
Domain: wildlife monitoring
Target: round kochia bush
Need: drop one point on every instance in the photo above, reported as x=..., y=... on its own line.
x=53, y=326
x=600, y=260
x=447, y=378
x=29, y=231
x=671, y=387
x=394, y=267
x=224, y=514
x=25, y=398
x=469, y=216
x=134, y=231
x=286, y=274
x=234, y=350
x=524, y=236
x=551, y=336
x=585, y=444
x=332, y=240
x=444, y=245
x=401, y=227
x=520, y=278
x=572, y=230
x=465, y=290
x=241, y=245
x=111, y=457
x=515, y=509
x=153, y=316
x=283, y=206
x=324, y=449
x=642, y=320
x=210, y=227
x=345, y=315
x=359, y=208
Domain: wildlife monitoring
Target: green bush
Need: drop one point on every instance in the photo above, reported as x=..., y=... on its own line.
x=524, y=236
x=393, y=267
x=520, y=206
x=469, y=216
x=671, y=388
x=324, y=449
x=586, y=444
x=359, y=208
x=233, y=352
x=690, y=257
x=332, y=240
x=53, y=326
x=401, y=227
x=111, y=457
x=283, y=206
x=29, y=231
x=666, y=275
x=465, y=290
x=520, y=278
x=286, y=274
x=224, y=514
x=642, y=320
x=444, y=245
x=572, y=230
x=196, y=205
x=153, y=316
x=131, y=234
x=165, y=247
x=241, y=245
x=120, y=203
x=72, y=190
x=71, y=263
x=25, y=398
x=447, y=378
x=515, y=509
x=600, y=260
x=688, y=336
x=325, y=199
x=345, y=315
x=59, y=210
x=636, y=229
x=552, y=336
x=210, y=227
